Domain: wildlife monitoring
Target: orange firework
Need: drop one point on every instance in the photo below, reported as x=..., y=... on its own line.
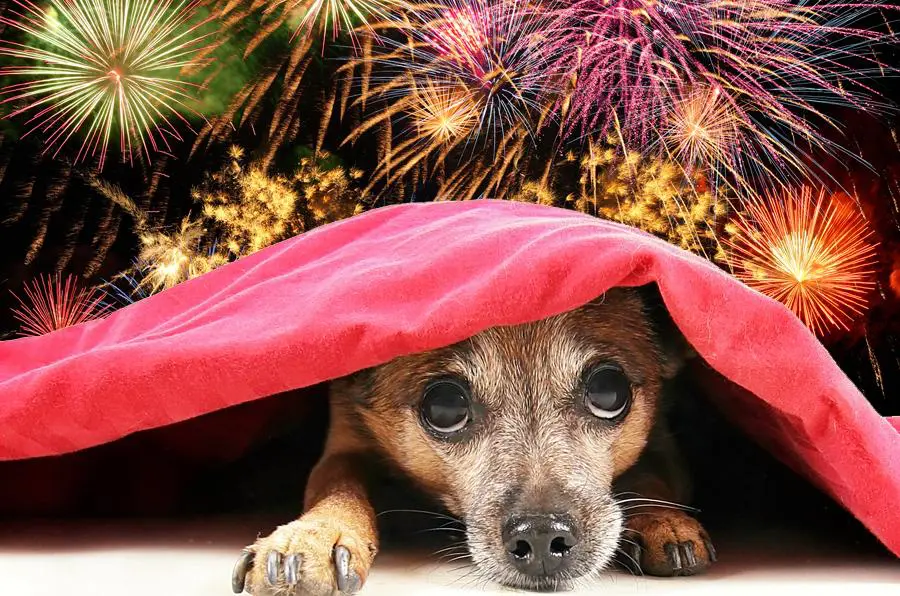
x=809, y=252
x=54, y=304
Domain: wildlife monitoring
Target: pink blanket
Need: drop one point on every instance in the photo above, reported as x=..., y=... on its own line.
x=414, y=277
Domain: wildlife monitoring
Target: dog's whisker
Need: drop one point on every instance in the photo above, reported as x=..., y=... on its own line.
x=645, y=507
x=648, y=502
x=442, y=529
x=448, y=548
x=436, y=514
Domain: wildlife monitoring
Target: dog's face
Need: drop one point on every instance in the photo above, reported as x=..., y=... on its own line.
x=521, y=431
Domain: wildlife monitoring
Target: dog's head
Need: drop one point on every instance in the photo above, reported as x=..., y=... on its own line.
x=521, y=431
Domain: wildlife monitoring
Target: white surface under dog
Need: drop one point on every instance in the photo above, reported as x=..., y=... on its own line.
x=170, y=558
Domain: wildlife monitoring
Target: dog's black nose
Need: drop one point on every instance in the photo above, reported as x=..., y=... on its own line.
x=540, y=545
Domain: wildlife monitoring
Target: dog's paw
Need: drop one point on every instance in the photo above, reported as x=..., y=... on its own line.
x=667, y=543
x=304, y=558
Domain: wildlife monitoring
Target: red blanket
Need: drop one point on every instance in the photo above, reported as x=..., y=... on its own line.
x=414, y=277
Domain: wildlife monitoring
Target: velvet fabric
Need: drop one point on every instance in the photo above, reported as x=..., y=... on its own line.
x=409, y=278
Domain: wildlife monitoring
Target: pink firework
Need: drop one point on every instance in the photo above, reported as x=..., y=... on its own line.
x=51, y=304
x=774, y=62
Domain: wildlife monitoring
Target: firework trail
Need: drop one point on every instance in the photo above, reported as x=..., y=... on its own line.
x=53, y=200
x=92, y=67
x=765, y=68
x=809, y=252
x=51, y=303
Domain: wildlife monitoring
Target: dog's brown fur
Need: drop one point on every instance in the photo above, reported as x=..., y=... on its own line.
x=532, y=448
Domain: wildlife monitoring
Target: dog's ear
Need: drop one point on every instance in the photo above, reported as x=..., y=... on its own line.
x=674, y=347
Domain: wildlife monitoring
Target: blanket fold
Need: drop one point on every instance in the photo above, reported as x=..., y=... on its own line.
x=409, y=278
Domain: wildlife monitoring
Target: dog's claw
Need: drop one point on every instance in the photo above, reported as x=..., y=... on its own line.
x=348, y=581
x=713, y=557
x=292, y=569
x=688, y=555
x=272, y=565
x=636, y=555
x=673, y=555
x=632, y=553
x=239, y=574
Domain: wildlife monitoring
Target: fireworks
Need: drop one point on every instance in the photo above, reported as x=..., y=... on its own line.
x=702, y=128
x=489, y=49
x=894, y=280
x=166, y=260
x=810, y=253
x=469, y=74
x=329, y=192
x=92, y=67
x=442, y=115
x=655, y=195
x=252, y=208
x=341, y=15
x=535, y=191
x=768, y=63
x=55, y=304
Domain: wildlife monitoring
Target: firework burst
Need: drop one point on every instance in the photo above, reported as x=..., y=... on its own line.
x=442, y=114
x=467, y=73
x=167, y=259
x=51, y=304
x=701, y=128
x=809, y=252
x=92, y=67
x=250, y=208
x=770, y=65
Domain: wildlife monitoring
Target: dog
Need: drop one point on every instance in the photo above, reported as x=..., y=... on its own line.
x=546, y=439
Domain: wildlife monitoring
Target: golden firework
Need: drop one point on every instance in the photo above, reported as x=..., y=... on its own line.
x=329, y=192
x=167, y=259
x=442, y=113
x=702, y=128
x=535, y=191
x=252, y=208
x=653, y=194
x=809, y=251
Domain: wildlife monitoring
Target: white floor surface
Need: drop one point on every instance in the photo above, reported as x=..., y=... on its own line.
x=195, y=559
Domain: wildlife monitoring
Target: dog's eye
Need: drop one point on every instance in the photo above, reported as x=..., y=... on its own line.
x=607, y=392
x=445, y=407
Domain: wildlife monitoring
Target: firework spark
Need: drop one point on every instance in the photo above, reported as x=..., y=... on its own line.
x=493, y=49
x=92, y=67
x=329, y=193
x=771, y=63
x=51, y=304
x=810, y=252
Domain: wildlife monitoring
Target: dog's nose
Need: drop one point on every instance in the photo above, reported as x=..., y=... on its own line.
x=540, y=545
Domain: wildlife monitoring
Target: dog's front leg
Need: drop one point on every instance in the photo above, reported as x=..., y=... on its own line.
x=329, y=550
x=661, y=537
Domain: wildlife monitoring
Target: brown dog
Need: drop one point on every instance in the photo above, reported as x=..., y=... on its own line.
x=544, y=438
